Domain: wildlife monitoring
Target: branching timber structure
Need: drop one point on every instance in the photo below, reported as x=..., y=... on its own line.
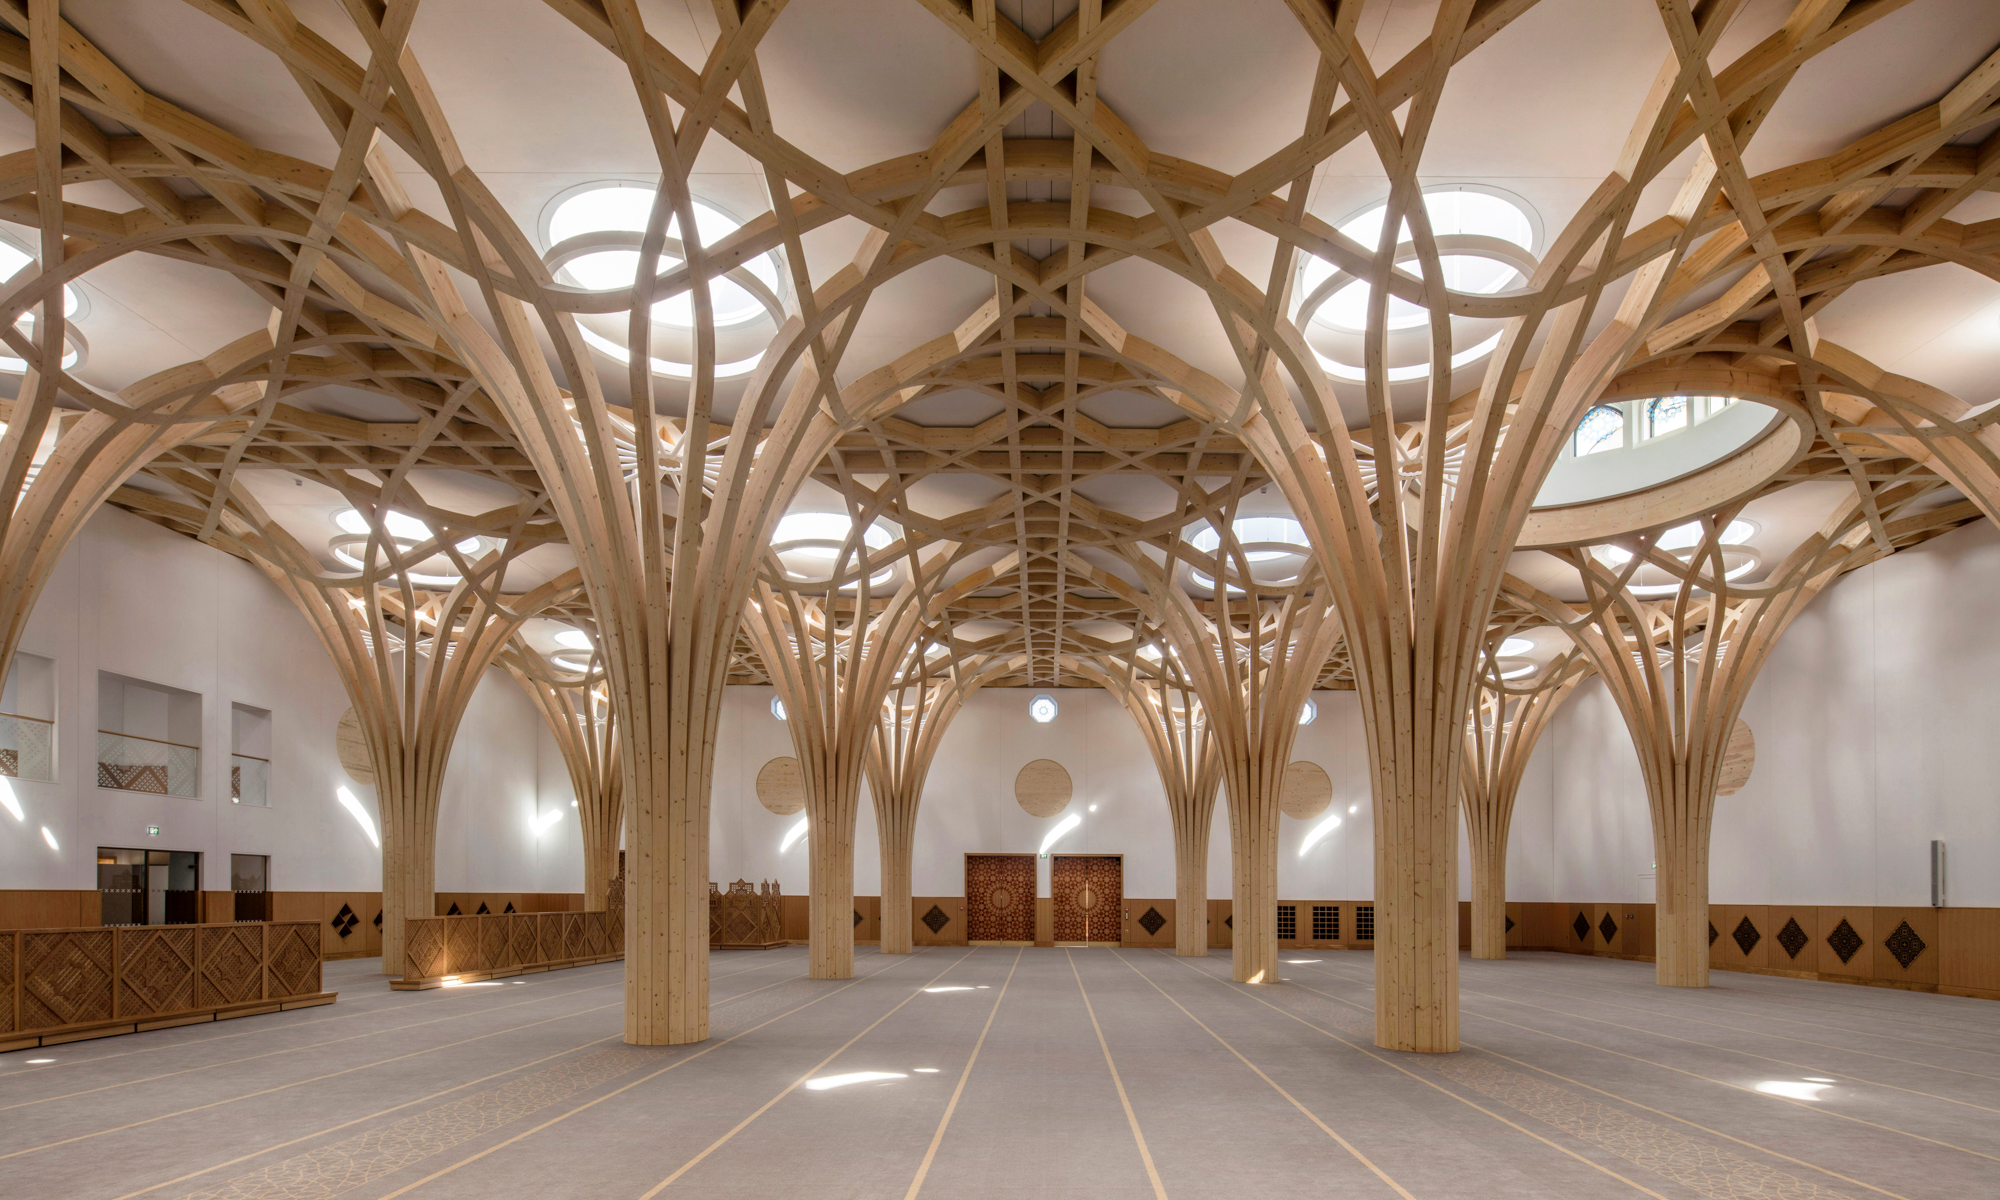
x=967, y=342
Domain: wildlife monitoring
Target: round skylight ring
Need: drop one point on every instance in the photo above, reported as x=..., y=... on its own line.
x=576, y=245
x=1455, y=245
x=598, y=241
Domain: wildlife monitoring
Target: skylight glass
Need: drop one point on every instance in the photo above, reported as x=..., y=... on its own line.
x=1452, y=211
x=622, y=207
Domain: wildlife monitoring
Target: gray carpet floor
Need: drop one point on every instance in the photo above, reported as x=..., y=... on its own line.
x=1017, y=1073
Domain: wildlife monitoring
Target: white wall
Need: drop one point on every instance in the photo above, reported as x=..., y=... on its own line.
x=1874, y=720
x=136, y=600
x=1873, y=724
x=969, y=804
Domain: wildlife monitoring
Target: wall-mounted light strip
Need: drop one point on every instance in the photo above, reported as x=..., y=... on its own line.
x=353, y=806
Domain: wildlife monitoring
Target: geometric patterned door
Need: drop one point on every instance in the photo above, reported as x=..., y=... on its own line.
x=1000, y=898
x=1089, y=896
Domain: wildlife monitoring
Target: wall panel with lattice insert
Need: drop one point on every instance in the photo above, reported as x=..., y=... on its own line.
x=62, y=985
x=1000, y=898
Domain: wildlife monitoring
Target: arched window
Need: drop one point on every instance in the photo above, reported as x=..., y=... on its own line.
x=1602, y=428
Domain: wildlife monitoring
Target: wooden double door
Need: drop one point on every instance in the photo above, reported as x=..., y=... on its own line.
x=1000, y=898
x=1088, y=892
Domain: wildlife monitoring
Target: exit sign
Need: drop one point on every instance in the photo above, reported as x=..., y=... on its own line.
x=152, y=831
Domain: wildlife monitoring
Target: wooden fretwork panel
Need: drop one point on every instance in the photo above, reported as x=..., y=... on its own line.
x=1000, y=897
x=1089, y=891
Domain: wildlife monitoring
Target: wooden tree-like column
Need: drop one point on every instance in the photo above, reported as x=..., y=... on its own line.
x=833, y=654
x=409, y=654
x=1680, y=668
x=1507, y=720
x=914, y=715
x=579, y=715
x=1251, y=655
x=1167, y=707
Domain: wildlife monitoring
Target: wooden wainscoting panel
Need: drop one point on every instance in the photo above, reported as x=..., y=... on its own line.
x=1737, y=926
x=937, y=920
x=868, y=930
x=1641, y=937
x=1847, y=941
x=1000, y=898
x=798, y=919
x=1045, y=921
x=299, y=906
x=1797, y=942
x=1906, y=946
x=41, y=908
x=1161, y=923
x=1546, y=926
x=1969, y=951
x=1220, y=926
x=1465, y=924
x=1088, y=891
x=1610, y=922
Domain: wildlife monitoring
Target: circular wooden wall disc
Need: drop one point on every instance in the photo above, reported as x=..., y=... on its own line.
x=1307, y=791
x=1042, y=788
x=1738, y=760
x=781, y=787
x=353, y=749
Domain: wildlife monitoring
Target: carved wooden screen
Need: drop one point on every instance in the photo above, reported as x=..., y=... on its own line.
x=999, y=898
x=1089, y=895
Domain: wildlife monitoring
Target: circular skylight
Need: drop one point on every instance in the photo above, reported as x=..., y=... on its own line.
x=809, y=542
x=12, y=260
x=1042, y=708
x=1739, y=558
x=1514, y=647
x=573, y=639
x=1485, y=241
x=625, y=208
x=1263, y=541
x=1453, y=211
x=407, y=532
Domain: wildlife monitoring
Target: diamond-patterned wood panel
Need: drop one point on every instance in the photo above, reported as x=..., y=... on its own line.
x=1847, y=942
x=1088, y=891
x=292, y=960
x=462, y=946
x=550, y=926
x=999, y=898
x=1796, y=942
x=65, y=977
x=572, y=927
x=155, y=970
x=231, y=964
x=424, y=955
x=495, y=947
x=9, y=959
x=526, y=939
x=1904, y=944
x=594, y=944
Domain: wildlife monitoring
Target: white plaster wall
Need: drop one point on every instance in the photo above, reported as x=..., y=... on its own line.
x=969, y=803
x=136, y=600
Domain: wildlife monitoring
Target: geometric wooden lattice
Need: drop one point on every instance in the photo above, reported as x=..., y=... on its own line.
x=232, y=960
x=1905, y=945
x=1844, y=940
x=936, y=919
x=1792, y=938
x=1364, y=922
x=746, y=917
x=65, y=978
x=1746, y=936
x=292, y=967
x=1150, y=921
x=1582, y=927
x=1608, y=927
x=7, y=983
x=155, y=970
x=434, y=947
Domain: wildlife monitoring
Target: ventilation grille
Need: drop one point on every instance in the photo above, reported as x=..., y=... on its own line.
x=1608, y=927
x=1288, y=922
x=1582, y=927
x=1792, y=938
x=1151, y=922
x=1326, y=922
x=1364, y=922
x=936, y=919
x=1746, y=936
x=1844, y=940
x=1905, y=945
